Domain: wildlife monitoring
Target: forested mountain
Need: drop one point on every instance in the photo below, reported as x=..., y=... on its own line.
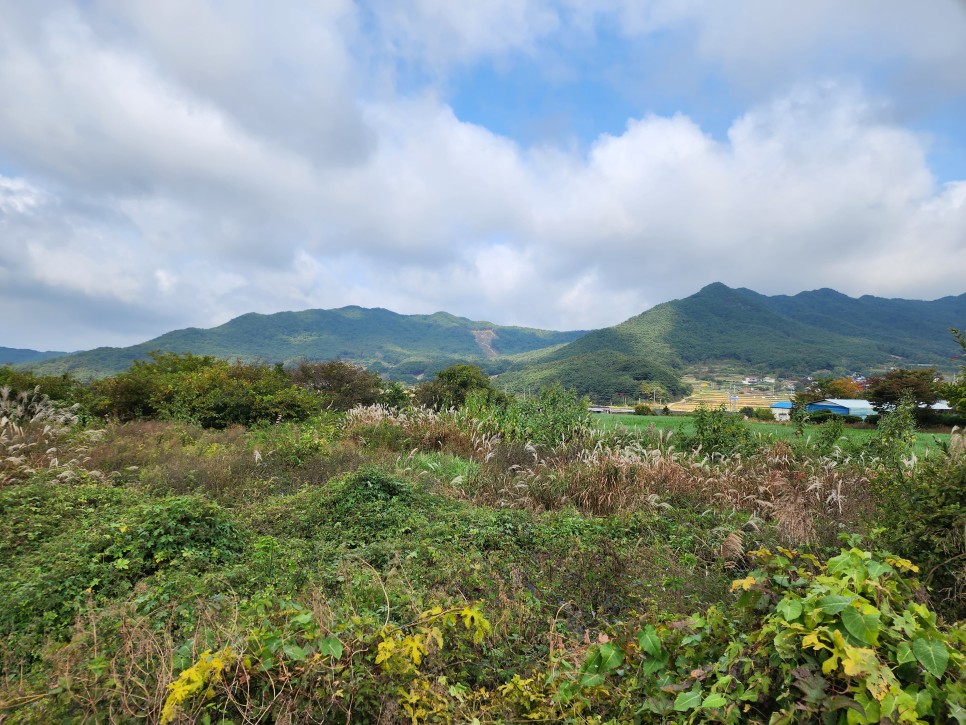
x=789, y=336
x=401, y=346
x=912, y=330
x=810, y=332
x=16, y=355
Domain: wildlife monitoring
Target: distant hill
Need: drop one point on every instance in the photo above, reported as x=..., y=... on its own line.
x=910, y=330
x=16, y=355
x=821, y=331
x=790, y=336
x=399, y=346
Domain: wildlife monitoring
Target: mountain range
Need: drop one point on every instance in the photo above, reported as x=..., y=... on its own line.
x=17, y=355
x=821, y=331
x=399, y=346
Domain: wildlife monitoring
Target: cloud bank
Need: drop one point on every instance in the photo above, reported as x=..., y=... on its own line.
x=173, y=164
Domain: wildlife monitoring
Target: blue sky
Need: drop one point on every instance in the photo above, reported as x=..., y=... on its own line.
x=551, y=163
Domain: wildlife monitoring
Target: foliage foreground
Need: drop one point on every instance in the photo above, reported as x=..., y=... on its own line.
x=500, y=562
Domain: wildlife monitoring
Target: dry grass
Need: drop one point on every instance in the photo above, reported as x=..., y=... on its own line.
x=810, y=499
x=416, y=428
x=35, y=436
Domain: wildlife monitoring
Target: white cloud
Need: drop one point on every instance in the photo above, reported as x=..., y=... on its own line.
x=435, y=34
x=182, y=167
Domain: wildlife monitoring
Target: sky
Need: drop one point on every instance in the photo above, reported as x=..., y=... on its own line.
x=562, y=164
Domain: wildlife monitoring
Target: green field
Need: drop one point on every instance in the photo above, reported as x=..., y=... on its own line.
x=925, y=441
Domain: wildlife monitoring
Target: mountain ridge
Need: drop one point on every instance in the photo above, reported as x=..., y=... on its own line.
x=818, y=331
x=402, y=346
x=821, y=331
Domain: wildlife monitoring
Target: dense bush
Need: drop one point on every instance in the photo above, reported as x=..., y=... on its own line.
x=716, y=431
x=453, y=386
x=203, y=390
x=64, y=389
x=924, y=518
x=553, y=416
x=819, y=417
x=504, y=562
x=340, y=384
x=763, y=414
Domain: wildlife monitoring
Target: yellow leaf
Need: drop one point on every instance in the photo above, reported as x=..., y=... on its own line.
x=812, y=640
x=859, y=661
x=385, y=650
x=829, y=665
x=900, y=563
x=414, y=648
x=746, y=583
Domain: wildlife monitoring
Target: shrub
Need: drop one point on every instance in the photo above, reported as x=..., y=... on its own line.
x=103, y=555
x=809, y=640
x=550, y=418
x=212, y=393
x=821, y=416
x=63, y=389
x=340, y=384
x=451, y=388
x=716, y=431
x=643, y=409
x=763, y=414
x=924, y=519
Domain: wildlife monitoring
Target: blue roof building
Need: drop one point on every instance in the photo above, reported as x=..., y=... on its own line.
x=782, y=410
x=843, y=406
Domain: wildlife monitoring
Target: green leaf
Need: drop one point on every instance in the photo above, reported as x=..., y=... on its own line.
x=295, y=652
x=834, y=603
x=864, y=627
x=790, y=609
x=655, y=665
x=330, y=646
x=932, y=654
x=715, y=699
x=611, y=657
x=688, y=700
x=303, y=618
x=877, y=568
x=603, y=659
x=649, y=641
x=904, y=653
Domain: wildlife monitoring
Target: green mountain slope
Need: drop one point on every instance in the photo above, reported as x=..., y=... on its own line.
x=789, y=336
x=16, y=355
x=402, y=346
x=912, y=330
x=821, y=330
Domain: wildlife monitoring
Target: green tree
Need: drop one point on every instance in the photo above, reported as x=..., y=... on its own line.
x=341, y=384
x=955, y=391
x=202, y=389
x=451, y=386
x=921, y=386
x=653, y=391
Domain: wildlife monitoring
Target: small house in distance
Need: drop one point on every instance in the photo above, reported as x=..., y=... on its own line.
x=782, y=410
x=843, y=406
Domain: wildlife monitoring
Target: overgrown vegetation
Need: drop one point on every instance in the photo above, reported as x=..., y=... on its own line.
x=202, y=541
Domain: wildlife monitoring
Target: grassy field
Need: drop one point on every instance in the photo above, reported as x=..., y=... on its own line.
x=925, y=441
